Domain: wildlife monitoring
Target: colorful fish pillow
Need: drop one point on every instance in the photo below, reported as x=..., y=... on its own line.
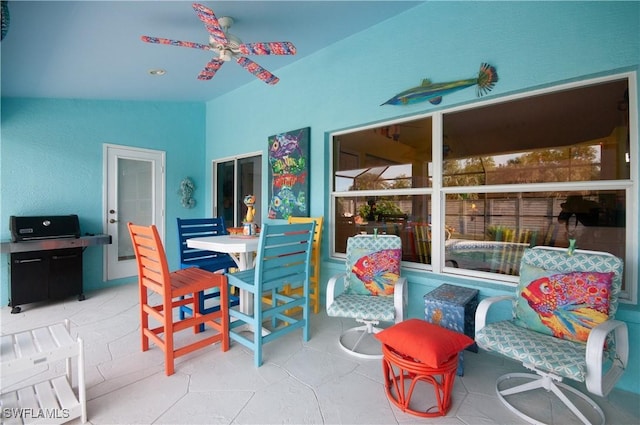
x=565, y=305
x=374, y=273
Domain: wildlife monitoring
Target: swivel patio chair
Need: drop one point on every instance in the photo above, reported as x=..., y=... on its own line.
x=370, y=291
x=175, y=289
x=207, y=260
x=283, y=259
x=563, y=327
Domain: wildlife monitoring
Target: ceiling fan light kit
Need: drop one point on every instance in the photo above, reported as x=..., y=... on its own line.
x=228, y=46
x=225, y=23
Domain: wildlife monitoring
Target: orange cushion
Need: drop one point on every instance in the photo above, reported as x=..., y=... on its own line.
x=428, y=343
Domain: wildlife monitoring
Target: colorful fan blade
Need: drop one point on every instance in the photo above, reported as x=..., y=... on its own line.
x=210, y=69
x=268, y=48
x=179, y=43
x=210, y=21
x=5, y=19
x=257, y=70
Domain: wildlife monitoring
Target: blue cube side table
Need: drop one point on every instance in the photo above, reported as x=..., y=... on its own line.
x=453, y=307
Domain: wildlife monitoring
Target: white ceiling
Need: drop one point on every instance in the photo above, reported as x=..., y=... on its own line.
x=92, y=49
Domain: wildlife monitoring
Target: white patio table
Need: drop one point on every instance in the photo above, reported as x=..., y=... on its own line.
x=241, y=248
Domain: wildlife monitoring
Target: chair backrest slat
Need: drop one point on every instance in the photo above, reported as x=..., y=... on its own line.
x=284, y=254
x=280, y=270
x=317, y=241
x=285, y=260
x=148, y=248
x=202, y=227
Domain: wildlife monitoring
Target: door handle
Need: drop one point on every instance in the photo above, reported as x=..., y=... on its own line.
x=28, y=260
x=112, y=220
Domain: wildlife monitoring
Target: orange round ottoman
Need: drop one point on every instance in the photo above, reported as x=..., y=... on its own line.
x=402, y=373
x=417, y=351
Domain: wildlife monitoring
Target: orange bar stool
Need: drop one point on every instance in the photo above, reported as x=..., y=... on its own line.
x=176, y=289
x=416, y=351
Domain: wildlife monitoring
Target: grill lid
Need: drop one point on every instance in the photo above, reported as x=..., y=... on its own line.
x=31, y=228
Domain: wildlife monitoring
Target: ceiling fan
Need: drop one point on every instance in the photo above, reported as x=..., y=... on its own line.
x=228, y=46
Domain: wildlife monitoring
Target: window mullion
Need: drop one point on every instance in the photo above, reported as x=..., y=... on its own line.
x=437, y=209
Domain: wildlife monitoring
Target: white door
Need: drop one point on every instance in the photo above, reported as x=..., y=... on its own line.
x=135, y=192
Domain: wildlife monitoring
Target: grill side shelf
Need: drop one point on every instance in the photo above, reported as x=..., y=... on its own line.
x=57, y=243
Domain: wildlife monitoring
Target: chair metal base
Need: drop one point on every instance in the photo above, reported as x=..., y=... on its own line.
x=370, y=347
x=551, y=383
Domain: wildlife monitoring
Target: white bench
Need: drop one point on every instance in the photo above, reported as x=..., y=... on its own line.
x=52, y=401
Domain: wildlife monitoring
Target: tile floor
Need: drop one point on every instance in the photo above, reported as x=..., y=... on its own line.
x=313, y=382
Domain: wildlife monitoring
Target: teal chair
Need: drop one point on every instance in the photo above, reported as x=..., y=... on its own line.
x=207, y=260
x=282, y=261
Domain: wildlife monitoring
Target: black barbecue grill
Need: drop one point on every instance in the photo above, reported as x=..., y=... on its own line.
x=46, y=258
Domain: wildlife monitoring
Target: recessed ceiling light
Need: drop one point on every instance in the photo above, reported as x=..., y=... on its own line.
x=157, y=71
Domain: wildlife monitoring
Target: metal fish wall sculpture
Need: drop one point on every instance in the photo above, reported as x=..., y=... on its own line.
x=433, y=92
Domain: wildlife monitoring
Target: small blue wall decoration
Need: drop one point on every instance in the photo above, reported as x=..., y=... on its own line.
x=187, y=187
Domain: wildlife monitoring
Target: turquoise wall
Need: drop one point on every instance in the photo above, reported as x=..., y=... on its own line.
x=51, y=151
x=52, y=163
x=532, y=45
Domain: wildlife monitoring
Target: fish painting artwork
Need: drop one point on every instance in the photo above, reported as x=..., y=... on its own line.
x=433, y=92
x=283, y=145
x=288, y=157
x=570, y=304
x=379, y=271
x=285, y=202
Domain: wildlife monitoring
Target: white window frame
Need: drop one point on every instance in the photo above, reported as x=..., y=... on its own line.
x=438, y=192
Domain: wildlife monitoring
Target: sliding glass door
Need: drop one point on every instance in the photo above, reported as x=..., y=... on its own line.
x=233, y=179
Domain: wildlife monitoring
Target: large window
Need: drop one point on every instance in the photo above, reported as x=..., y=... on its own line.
x=469, y=189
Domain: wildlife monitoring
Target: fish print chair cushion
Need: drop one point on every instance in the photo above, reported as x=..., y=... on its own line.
x=565, y=302
x=373, y=264
x=430, y=344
